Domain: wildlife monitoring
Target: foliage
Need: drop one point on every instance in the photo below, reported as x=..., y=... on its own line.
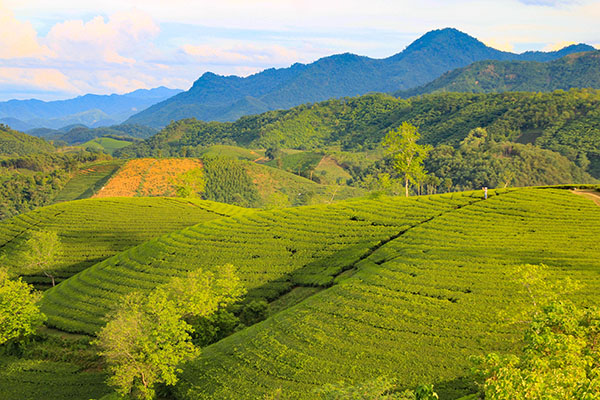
x=407, y=156
x=228, y=182
x=20, y=315
x=40, y=253
x=559, y=358
x=147, y=337
x=14, y=143
x=565, y=122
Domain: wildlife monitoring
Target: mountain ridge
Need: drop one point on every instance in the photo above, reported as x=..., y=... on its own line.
x=109, y=109
x=575, y=70
x=226, y=98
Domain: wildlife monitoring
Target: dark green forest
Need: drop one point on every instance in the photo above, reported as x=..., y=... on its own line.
x=581, y=70
x=34, y=180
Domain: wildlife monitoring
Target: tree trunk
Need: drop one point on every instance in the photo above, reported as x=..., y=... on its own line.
x=406, y=185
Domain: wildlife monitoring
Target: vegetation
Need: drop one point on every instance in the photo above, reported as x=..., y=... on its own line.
x=579, y=70
x=88, y=180
x=13, y=143
x=559, y=358
x=20, y=315
x=228, y=182
x=148, y=177
x=40, y=254
x=407, y=156
x=105, y=144
x=147, y=336
x=36, y=180
x=95, y=229
x=564, y=122
x=432, y=293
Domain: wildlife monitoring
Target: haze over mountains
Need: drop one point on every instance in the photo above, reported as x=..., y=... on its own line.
x=91, y=110
x=226, y=98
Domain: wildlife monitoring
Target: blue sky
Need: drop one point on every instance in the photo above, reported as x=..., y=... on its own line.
x=64, y=48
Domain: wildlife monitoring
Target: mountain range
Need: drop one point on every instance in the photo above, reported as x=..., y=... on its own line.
x=579, y=70
x=226, y=98
x=91, y=110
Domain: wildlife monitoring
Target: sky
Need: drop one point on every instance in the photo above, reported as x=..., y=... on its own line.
x=64, y=48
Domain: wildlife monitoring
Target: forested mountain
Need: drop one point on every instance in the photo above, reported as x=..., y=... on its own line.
x=580, y=70
x=91, y=110
x=14, y=143
x=566, y=122
x=226, y=98
x=80, y=134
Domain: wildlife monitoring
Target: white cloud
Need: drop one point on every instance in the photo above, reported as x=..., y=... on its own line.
x=35, y=78
x=18, y=39
x=102, y=40
x=558, y=45
x=241, y=54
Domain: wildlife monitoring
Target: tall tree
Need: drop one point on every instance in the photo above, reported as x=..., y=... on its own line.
x=40, y=253
x=407, y=155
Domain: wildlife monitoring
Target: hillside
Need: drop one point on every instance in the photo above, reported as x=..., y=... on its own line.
x=91, y=110
x=87, y=181
x=147, y=177
x=384, y=279
x=564, y=122
x=95, y=229
x=227, y=98
x=581, y=70
x=14, y=143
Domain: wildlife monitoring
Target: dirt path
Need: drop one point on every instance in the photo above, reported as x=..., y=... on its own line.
x=590, y=194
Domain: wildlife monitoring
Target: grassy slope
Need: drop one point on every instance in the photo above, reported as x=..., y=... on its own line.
x=236, y=152
x=270, y=181
x=95, y=229
x=106, y=144
x=87, y=181
x=15, y=143
x=416, y=308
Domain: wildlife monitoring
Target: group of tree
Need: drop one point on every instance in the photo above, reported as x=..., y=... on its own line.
x=34, y=180
x=562, y=121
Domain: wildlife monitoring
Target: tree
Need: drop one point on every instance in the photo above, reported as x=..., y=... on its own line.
x=407, y=155
x=560, y=357
x=148, y=335
x=20, y=315
x=40, y=253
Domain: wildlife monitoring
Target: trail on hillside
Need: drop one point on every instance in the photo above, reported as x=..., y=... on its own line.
x=592, y=195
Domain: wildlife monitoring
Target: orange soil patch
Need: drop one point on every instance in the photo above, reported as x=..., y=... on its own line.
x=147, y=177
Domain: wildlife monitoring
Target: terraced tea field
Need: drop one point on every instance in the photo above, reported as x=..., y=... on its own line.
x=88, y=180
x=94, y=229
x=416, y=308
x=147, y=177
x=272, y=249
x=406, y=288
